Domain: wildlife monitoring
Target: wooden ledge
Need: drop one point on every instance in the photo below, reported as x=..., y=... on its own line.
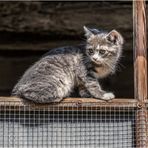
x=82, y=100
x=70, y=102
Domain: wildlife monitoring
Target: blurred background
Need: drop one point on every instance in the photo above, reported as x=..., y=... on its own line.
x=30, y=29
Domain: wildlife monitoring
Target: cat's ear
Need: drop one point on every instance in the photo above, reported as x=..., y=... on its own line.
x=115, y=37
x=88, y=32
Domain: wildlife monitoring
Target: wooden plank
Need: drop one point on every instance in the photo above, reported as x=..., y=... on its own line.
x=70, y=102
x=42, y=21
x=83, y=100
x=140, y=48
x=140, y=71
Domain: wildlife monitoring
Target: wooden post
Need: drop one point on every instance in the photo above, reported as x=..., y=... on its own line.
x=140, y=61
x=140, y=71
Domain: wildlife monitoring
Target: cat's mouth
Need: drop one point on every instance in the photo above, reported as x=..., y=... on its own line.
x=97, y=63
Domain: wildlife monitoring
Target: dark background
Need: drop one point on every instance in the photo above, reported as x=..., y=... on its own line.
x=29, y=29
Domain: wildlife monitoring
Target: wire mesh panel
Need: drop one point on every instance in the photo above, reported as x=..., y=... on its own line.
x=102, y=127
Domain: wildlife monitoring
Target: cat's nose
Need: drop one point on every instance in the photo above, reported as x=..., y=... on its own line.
x=95, y=59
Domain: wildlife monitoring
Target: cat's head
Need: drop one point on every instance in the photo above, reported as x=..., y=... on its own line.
x=103, y=48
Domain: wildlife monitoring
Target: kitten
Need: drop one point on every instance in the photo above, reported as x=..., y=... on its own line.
x=61, y=70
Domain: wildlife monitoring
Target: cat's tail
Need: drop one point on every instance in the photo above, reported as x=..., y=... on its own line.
x=36, y=95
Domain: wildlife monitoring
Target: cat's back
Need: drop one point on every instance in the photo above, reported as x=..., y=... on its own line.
x=65, y=56
x=67, y=50
x=57, y=62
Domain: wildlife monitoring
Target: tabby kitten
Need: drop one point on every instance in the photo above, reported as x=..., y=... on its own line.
x=61, y=70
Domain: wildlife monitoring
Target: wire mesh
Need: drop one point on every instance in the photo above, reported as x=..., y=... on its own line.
x=85, y=126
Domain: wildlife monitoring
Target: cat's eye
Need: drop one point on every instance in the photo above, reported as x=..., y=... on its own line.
x=102, y=51
x=91, y=51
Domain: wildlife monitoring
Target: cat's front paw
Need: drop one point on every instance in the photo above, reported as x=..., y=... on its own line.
x=108, y=96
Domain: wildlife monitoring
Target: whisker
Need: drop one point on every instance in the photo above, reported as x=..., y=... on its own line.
x=83, y=39
x=121, y=65
x=110, y=66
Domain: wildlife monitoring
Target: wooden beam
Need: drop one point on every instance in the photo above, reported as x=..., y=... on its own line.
x=140, y=50
x=70, y=102
x=140, y=71
x=83, y=100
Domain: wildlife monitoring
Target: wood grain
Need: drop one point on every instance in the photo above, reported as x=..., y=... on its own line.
x=140, y=48
x=140, y=72
x=70, y=102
